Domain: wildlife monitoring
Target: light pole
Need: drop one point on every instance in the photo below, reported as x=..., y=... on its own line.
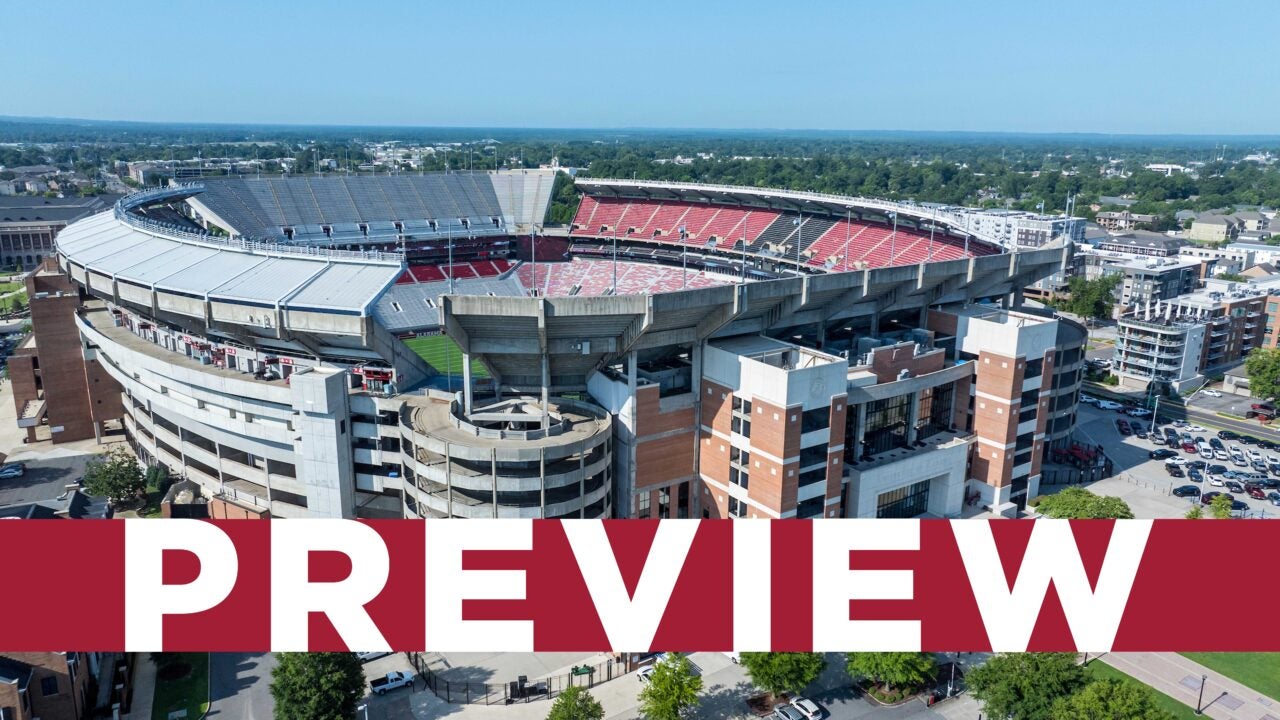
x=684, y=259
x=745, y=223
x=1199, y=700
x=364, y=710
x=799, y=223
x=533, y=253
x=848, y=235
x=448, y=235
x=893, y=238
x=615, y=260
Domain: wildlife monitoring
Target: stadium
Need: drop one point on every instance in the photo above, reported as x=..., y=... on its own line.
x=422, y=346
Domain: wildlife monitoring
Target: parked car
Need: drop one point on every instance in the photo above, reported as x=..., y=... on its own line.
x=1162, y=453
x=1221, y=454
x=1088, y=399
x=1138, y=412
x=367, y=656
x=1234, y=486
x=393, y=680
x=1109, y=405
x=1255, y=491
x=787, y=712
x=1195, y=475
x=1207, y=498
x=1175, y=460
x=1186, y=491
x=807, y=708
x=1264, y=407
x=1197, y=464
x=1216, y=444
x=1211, y=393
x=1174, y=471
x=9, y=471
x=1273, y=497
x=1227, y=435
x=1238, y=506
x=645, y=674
x=1267, y=445
x=1123, y=427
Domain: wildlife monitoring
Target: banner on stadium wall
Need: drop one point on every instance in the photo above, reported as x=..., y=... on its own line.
x=635, y=585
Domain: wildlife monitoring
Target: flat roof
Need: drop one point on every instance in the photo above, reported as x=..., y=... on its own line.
x=108, y=246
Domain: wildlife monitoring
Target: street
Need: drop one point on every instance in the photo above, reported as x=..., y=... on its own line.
x=240, y=686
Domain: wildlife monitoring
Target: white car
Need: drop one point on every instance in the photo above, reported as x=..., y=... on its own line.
x=1255, y=457
x=1108, y=405
x=1088, y=399
x=367, y=656
x=1211, y=393
x=1140, y=413
x=1195, y=429
x=1176, y=460
x=787, y=712
x=1215, y=481
x=808, y=708
x=645, y=674
x=1221, y=455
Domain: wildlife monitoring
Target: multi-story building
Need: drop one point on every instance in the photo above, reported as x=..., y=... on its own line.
x=1021, y=229
x=1229, y=259
x=1215, y=228
x=1140, y=243
x=1153, y=280
x=1123, y=220
x=54, y=384
x=46, y=685
x=29, y=223
x=1260, y=252
x=1177, y=341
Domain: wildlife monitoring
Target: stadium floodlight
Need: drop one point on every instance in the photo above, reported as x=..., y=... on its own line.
x=799, y=223
x=893, y=238
x=684, y=258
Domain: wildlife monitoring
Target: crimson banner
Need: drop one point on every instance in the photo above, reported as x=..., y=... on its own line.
x=637, y=585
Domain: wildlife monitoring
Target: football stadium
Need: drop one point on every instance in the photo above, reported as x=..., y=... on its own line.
x=424, y=346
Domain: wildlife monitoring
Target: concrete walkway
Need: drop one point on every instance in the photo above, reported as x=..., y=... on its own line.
x=1179, y=678
x=144, y=688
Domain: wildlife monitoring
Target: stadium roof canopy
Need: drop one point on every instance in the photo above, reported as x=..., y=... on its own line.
x=107, y=246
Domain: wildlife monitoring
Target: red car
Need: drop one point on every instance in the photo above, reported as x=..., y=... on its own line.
x=1255, y=491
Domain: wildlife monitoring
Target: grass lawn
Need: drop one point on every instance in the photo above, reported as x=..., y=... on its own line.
x=1259, y=671
x=443, y=354
x=1098, y=670
x=189, y=691
x=6, y=304
x=8, y=287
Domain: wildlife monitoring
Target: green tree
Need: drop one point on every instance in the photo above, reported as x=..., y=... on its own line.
x=1091, y=298
x=316, y=686
x=891, y=670
x=1110, y=700
x=1220, y=507
x=781, y=672
x=1262, y=365
x=1195, y=513
x=1232, y=277
x=1025, y=685
x=1077, y=503
x=576, y=703
x=671, y=689
x=115, y=475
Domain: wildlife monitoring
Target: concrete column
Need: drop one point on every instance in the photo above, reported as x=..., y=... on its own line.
x=582, y=486
x=632, y=417
x=875, y=324
x=542, y=480
x=695, y=386
x=466, y=383
x=448, y=477
x=913, y=417
x=860, y=432
x=546, y=382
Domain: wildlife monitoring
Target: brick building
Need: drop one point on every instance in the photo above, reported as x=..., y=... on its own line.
x=46, y=685
x=57, y=380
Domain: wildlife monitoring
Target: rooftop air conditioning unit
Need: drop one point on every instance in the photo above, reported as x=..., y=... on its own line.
x=903, y=374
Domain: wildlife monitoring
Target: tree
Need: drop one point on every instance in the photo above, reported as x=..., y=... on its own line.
x=1077, y=503
x=115, y=475
x=781, y=672
x=892, y=670
x=1220, y=507
x=1110, y=700
x=1025, y=685
x=1262, y=365
x=1232, y=277
x=671, y=689
x=1195, y=513
x=576, y=703
x=316, y=686
x=1091, y=298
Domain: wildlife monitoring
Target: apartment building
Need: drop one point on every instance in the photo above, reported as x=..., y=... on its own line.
x=1174, y=342
x=1215, y=228
x=1123, y=220
x=1155, y=279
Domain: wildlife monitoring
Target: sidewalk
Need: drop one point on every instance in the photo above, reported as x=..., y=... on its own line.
x=1179, y=678
x=144, y=688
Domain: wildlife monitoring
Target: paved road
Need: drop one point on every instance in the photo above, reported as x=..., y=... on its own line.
x=239, y=686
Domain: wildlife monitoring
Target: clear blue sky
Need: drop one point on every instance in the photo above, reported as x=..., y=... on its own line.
x=1115, y=66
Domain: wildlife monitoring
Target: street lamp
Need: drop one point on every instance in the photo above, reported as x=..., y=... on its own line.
x=364, y=709
x=1199, y=700
x=615, y=260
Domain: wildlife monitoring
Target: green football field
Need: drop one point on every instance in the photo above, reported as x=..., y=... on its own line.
x=443, y=354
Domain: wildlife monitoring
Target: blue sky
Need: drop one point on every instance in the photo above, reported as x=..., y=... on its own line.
x=1112, y=66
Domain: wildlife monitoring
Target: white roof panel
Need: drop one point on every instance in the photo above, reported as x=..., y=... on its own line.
x=346, y=287
x=270, y=281
x=201, y=278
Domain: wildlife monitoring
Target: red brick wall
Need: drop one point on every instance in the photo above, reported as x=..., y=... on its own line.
x=69, y=702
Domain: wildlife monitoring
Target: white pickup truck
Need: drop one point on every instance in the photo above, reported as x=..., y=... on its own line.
x=393, y=680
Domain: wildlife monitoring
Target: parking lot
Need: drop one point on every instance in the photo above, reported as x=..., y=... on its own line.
x=1145, y=483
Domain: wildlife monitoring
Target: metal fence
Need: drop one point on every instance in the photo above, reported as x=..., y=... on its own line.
x=516, y=690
